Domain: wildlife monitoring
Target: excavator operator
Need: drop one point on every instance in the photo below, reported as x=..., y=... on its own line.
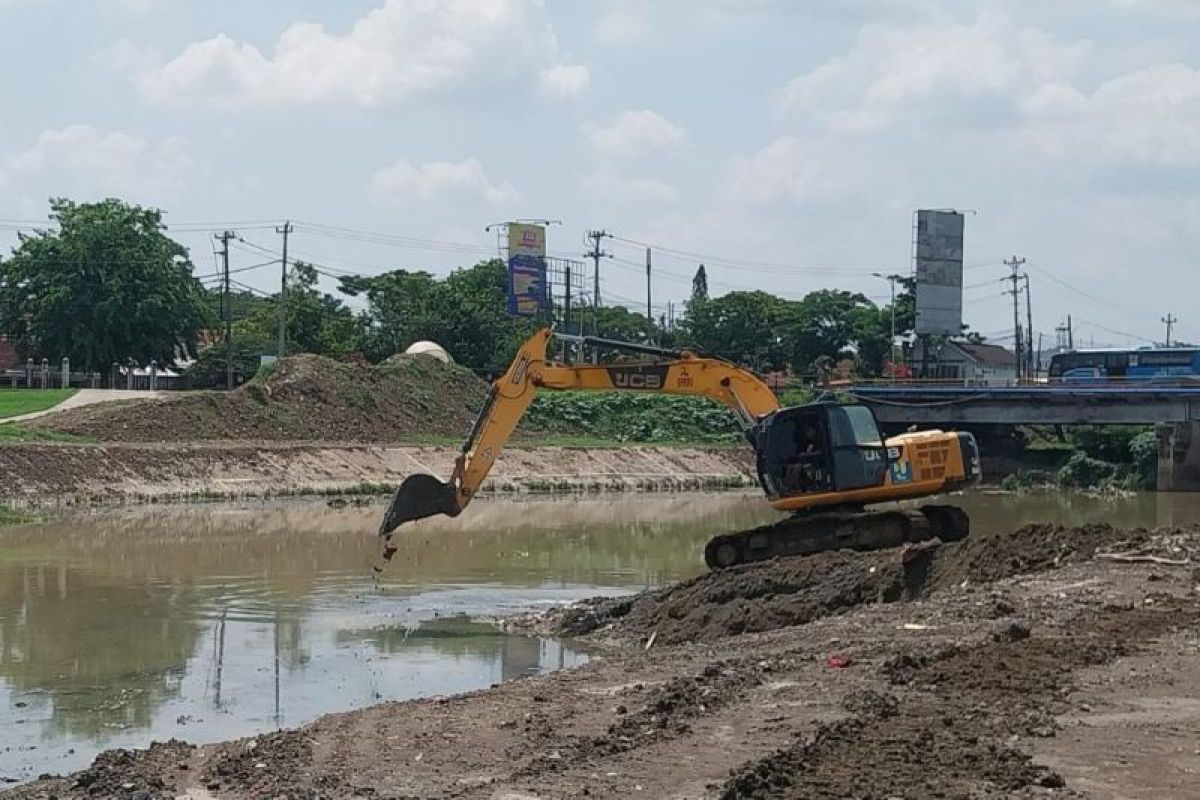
x=803, y=472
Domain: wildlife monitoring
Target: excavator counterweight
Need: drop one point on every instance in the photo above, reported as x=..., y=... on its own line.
x=824, y=462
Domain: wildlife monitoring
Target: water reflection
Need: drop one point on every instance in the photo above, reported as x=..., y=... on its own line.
x=208, y=623
x=214, y=622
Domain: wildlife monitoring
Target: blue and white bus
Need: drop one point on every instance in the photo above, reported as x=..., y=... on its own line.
x=1161, y=364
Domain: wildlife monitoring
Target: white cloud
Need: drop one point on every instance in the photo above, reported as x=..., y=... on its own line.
x=80, y=160
x=1183, y=9
x=126, y=56
x=617, y=190
x=439, y=181
x=564, y=81
x=135, y=7
x=1150, y=115
x=810, y=169
x=897, y=72
x=624, y=22
x=397, y=51
x=1016, y=88
x=634, y=133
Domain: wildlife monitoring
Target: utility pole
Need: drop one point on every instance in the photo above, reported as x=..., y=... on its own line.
x=227, y=306
x=649, y=310
x=1029, y=366
x=1070, y=334
x=891, y=279
x=285, y=231
x=595, y=254
x=1170, y=321
x=567, y=314
x=1060, y=337
x=1015, y=264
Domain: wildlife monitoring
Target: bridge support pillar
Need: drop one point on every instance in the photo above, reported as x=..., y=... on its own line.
x=1178, y=456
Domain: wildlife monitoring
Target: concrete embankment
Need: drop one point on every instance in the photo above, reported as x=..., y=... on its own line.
x=49, y=473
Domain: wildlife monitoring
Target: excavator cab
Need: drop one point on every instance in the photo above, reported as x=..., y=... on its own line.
x=819, y=448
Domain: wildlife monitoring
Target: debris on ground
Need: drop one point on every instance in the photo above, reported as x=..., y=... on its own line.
x=839, y=675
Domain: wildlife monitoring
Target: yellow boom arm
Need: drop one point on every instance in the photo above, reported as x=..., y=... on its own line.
x=510, y=396
x=739, y=389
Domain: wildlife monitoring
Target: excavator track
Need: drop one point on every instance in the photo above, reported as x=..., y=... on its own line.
x=848, y=529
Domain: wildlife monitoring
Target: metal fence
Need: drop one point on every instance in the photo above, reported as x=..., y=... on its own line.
x=43, y=375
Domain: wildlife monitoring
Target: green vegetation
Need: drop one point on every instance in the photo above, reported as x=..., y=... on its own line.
x=109, y=284
x=13, y=433
x=15, y=402
x=622, y=417
x=10, y=516
x=1093, y=458
x=105, y=286
x=316, y=323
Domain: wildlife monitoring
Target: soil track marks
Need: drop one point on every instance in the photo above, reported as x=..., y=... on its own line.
x=794, y=591
x=940, y=735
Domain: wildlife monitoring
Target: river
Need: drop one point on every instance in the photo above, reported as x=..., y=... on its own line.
x=212, y=622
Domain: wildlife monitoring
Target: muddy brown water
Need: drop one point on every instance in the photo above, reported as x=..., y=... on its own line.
x=207, y=623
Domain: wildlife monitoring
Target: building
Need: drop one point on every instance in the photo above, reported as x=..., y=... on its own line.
x=966, y=363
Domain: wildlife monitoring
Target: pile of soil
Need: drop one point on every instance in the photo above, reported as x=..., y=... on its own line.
x=941, y=734
x=303, y=398
x=793, y=591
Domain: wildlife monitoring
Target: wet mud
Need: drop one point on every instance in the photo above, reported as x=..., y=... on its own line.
x=794, y=591
x=941, y=672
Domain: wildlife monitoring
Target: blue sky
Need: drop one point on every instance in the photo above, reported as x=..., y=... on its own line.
x=786, y=142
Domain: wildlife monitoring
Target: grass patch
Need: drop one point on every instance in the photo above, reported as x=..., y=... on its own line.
x=14, y=402
x=533, y=439
x=9, y=516
x=13, y=433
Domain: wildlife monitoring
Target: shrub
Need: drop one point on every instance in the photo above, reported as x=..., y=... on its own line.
x=1084, y=472
x=1143, y=451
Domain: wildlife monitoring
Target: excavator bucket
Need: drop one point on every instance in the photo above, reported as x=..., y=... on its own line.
x=418, y=497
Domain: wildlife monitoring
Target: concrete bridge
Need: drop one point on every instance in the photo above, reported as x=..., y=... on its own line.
x=1173, y=410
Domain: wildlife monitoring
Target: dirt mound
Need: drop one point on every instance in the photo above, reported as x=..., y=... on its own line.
x=273, y=765
x=794, y=591
x=142, y=774
x=943, y=741
x=303, y=398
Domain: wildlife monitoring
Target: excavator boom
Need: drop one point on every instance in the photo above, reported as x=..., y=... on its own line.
x=509, y=398
x=824, y=462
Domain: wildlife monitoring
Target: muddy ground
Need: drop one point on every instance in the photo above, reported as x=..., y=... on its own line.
x=1023, y=665
x=303, y=398
x=71, y=473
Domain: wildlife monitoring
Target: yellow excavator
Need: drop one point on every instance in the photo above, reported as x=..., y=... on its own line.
x=824, y=462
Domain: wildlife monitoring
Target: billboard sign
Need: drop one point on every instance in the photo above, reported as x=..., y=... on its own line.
x=528, y=288
x=939, y=268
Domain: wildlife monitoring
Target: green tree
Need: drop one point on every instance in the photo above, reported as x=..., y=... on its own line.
x=107, y=285
x=316, y=322
x=747, y=326
x=623, y=325
x=825, y=325
x=466, y=314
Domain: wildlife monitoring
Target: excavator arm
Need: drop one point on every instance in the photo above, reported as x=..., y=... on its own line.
x=421, y=496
